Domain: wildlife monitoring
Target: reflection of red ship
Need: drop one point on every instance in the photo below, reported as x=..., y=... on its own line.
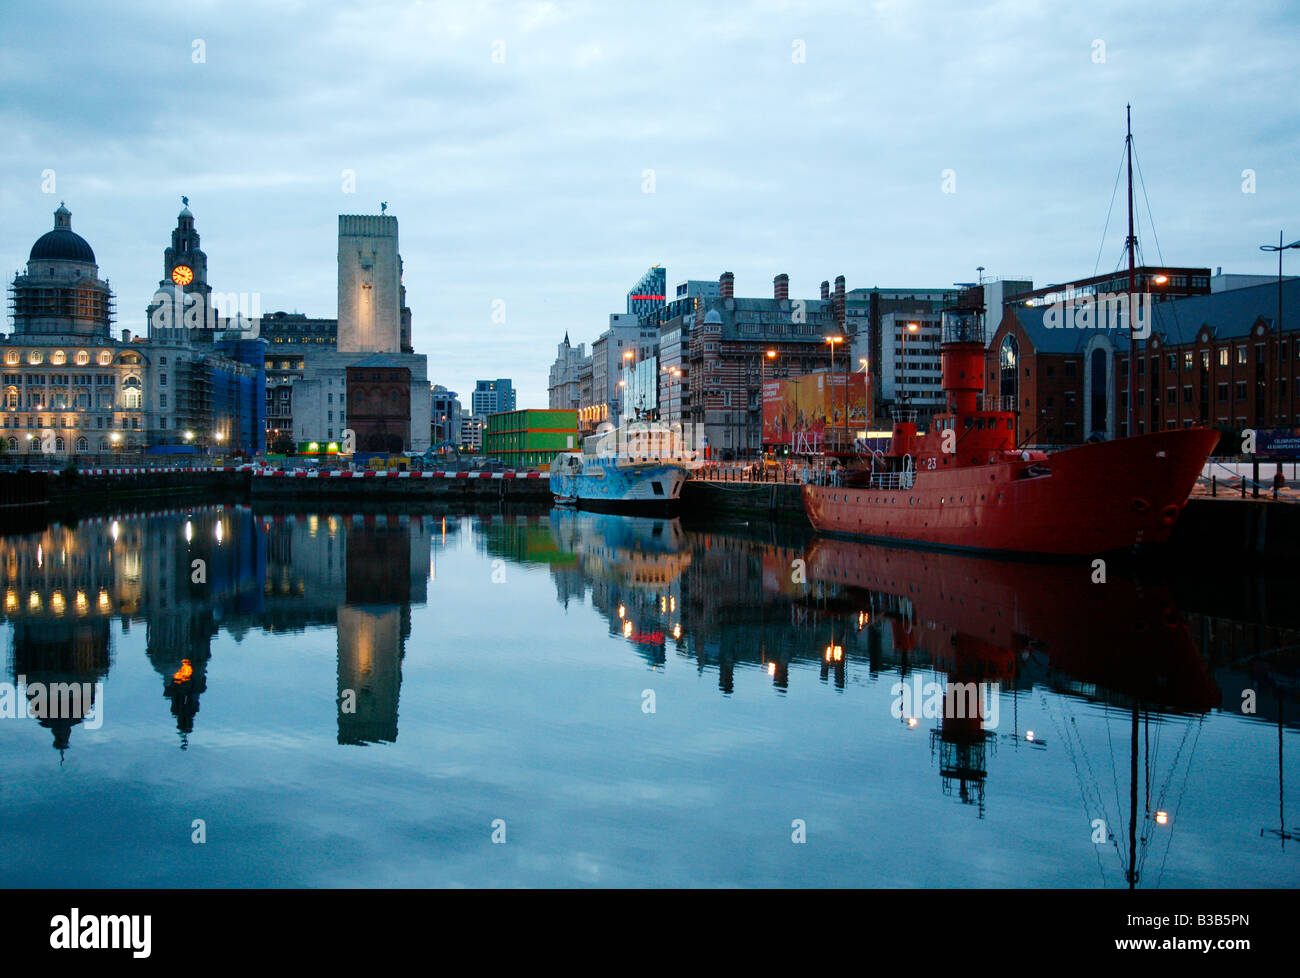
x=978, y=615
x=966, y=485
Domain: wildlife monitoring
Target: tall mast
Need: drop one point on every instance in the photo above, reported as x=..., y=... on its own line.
x=1132, y=240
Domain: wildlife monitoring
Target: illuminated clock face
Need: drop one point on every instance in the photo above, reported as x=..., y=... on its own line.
x=182, y=275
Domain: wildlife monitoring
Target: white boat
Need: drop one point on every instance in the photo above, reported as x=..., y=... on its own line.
x=639, y=466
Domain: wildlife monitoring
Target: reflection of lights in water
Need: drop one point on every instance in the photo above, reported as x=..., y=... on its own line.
x=81, y=602
x=771, y=668
x=220, y=531
x=1029, y=735
x=40, y=555
x=57, y=603
x=911, y=721
x=113, y=530
x=627, y=628
x=103, y=600
x=663, y=604
x=34, y=601
x=677, y=630
x=189, y=531
x=11, y=600
x=313, y=522
x=672, y=604
x=864, y=619
x=622, y=612
x=834, y=653
x=184, y=673
x=1162, y=818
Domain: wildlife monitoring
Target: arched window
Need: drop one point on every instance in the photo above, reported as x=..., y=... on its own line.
x=83, y=445
x=82, y=358
x=11, y=357
x=103, y=444
x=1008, y=357
x=58, y=357
x=35, y=356
x=13, y=444
x=105, y=358
x=60, y=445
x=1097, y=380
x=11, y=398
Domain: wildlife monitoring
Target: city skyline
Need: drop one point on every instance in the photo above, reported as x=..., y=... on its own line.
x=519, y=170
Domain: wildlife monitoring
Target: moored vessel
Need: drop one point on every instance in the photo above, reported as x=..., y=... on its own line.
x=967, y=484
x=640, y=466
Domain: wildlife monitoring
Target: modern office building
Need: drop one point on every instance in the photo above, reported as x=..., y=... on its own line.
x=446, y=417
x=492, y=397
x=645, y=300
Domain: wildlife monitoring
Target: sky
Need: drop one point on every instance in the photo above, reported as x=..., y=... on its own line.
x=544, y=155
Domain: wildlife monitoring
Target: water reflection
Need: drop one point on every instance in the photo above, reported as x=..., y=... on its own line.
x=1107, y=686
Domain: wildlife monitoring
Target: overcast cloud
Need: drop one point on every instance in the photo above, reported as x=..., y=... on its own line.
x=523, y=180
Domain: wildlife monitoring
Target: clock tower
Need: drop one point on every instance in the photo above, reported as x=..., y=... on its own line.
x=185, y=269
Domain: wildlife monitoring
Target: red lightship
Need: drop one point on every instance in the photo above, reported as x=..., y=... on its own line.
x=966, y=485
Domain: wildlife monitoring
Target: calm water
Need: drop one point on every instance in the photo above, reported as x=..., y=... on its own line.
x=356, y=700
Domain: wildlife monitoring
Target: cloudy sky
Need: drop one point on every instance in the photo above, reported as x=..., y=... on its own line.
x=512, y=140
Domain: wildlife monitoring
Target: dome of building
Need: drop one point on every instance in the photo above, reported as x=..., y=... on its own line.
x=62, y=244
x=713, y=316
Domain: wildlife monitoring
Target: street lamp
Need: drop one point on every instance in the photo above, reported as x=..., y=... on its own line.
x=902, y=393
x=762, y=387
x=832, y=340
x=1279, y=248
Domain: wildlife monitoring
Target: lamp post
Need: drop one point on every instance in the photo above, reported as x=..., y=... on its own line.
x=762, y=388
x=832, y=340
x=1279, y=248
x=902, y=393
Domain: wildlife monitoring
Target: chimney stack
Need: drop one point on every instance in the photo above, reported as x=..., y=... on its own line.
x=781, y=286
x=126, y=336
x=826, y=290
x=727, y=285
x=840, y=304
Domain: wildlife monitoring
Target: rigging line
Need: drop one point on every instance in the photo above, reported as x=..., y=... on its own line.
x=1173, y=768
x=1078, y=776
x=1114, y=775
x=1109, y=210
x=1150, y=216
x=1200, y=724
x=1178, y=329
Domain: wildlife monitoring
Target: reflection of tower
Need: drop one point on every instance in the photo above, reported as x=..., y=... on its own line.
x=179, y=648
x=372, y=628
x=61, y=651
x=370, y=673
x=962, y=742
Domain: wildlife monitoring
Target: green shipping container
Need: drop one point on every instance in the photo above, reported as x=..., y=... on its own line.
x=530, y=438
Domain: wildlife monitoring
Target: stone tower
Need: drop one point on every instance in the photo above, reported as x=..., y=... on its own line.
x=370, y=285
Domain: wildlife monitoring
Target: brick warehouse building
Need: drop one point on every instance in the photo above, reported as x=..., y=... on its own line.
x=379, y=404
x=1212, y=358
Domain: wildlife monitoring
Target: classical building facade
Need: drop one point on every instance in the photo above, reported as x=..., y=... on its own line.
x=70, y=388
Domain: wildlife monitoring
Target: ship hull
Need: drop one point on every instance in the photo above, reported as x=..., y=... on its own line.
x=606, y=487
x=1095, y=498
